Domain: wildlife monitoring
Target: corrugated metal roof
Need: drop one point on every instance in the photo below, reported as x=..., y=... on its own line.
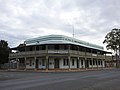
x=60, y=39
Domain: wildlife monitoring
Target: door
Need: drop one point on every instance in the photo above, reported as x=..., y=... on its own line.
x=86, y=63
x=56, y=63
x=36, y=64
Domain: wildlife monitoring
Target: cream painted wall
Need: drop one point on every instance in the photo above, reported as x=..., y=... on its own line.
x=75, y=63
x=40, y=66
x=51, y=63
x=62, y=66
x=32, y=65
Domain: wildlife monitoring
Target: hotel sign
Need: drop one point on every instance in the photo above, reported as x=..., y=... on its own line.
x=94, y=55
x=57, y=51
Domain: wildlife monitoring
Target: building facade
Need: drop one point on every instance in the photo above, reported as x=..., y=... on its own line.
x=58, y=52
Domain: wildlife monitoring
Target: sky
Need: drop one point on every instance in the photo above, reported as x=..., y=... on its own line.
x=91, y=19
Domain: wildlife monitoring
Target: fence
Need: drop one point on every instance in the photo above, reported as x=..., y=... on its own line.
x=8, y=66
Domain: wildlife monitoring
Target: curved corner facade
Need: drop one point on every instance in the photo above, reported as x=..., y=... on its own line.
x=58, y=52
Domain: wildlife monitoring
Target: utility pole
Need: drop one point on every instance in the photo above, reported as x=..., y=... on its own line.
x=73, y=31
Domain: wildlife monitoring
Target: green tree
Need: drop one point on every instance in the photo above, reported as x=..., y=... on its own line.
x=4, y=51
x=112, y=39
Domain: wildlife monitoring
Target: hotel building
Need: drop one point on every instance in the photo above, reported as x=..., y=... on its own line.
x=58, y=52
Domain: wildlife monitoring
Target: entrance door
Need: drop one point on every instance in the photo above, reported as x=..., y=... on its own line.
x=56, y=63
x=36, y=64
x=86, y=63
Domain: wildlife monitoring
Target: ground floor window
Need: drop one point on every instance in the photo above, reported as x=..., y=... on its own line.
x=90, y=62
x=93, y=62
x=96, y=62
x=81, y=62
x=73, y=62
x=43, y=62
x=30, y=62
x=65, y=62
x=99, y=62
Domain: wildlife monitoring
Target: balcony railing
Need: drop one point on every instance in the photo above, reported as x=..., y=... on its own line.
x=88, y=54
x=108, y=58
x=29, y=53
x=57, y=51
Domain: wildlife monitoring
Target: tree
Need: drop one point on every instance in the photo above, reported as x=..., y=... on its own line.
x=112, y=39
x=4, y=52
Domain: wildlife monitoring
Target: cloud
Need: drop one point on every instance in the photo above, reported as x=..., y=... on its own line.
x=92, y=19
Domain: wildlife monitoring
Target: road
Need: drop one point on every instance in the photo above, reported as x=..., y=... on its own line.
x=88, y=80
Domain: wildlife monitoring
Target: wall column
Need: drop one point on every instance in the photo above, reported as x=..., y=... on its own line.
x=35, y=63
x=69, y=62
x=69, y=56
x=78, y=63
x=47, y=66
x=17, y=63
x=97, y=62
x=92, y=62
x=105, y=62
x=25, y=63
x=97, y=59
x=47, y=57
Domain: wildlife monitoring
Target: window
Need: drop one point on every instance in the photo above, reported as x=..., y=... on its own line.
x=99, y=62
x=73, y=62
x=43, y=62
x=93, y=62
x=42, y=47
x=90, y=62
x=65, y=47
x=96, y=62
x=31, y=49
x=30, y=61
x=65, y=62
x=37, y=48
x=56, y=47
x=81, y=62
x=40, y=62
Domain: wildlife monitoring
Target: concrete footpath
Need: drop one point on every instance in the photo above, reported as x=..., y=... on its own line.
x=57, y=70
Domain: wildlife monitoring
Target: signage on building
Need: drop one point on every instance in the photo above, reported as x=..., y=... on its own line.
x=57, y=51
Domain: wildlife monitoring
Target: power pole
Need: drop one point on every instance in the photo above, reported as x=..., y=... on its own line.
x=73, y=30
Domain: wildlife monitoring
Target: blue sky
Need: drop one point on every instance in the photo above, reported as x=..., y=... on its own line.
x=24, y=19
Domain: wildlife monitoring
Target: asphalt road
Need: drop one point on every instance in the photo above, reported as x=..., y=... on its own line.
x=88, y=80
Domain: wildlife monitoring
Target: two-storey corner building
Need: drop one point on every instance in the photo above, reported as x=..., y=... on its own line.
x=58, y=52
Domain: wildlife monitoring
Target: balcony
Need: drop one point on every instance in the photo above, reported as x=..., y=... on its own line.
x=108, y=58
x=101, y=56
x=57, y=51
x=44, y=52
x=28, y=53
x=88, y=54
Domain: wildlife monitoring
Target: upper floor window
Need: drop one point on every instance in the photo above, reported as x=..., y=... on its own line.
x=37, y=47
x=56, y=47
x=42, y=47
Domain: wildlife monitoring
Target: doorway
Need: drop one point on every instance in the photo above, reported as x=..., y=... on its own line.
x=36, y=64
x=56, y=63
x=86, y=63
